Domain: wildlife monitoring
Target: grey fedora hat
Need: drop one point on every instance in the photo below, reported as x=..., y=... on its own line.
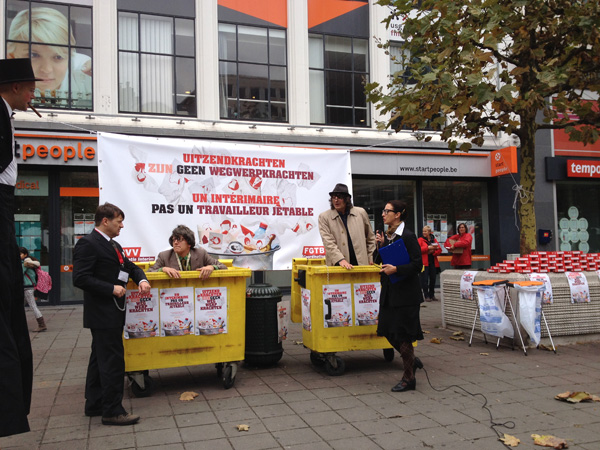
x=340, y=189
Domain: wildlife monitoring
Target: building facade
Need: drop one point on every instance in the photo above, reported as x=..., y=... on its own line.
x=279, y=72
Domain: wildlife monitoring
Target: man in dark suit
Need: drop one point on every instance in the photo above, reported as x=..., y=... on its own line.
x=102, y=270
x=17, y=87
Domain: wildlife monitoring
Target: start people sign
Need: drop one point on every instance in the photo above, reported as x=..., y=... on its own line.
x=256, y=204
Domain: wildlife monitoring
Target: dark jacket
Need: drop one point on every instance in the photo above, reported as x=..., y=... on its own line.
x=406, y=292
x=96, y=270
x=6, y=137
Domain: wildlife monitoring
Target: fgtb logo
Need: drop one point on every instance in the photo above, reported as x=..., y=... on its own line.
x=313, y=251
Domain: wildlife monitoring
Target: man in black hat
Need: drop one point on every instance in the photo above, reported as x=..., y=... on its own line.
x=17, y=87
x=346, y=231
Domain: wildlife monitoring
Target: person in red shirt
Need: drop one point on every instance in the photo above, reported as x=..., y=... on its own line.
x=462, y=240
x=430, y=249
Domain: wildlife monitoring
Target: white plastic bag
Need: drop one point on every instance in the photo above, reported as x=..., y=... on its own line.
x=530, y=310
x=491, y=312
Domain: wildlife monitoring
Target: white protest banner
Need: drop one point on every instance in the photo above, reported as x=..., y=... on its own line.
x=258, y=204
x=337, y=305
x=177, y=311
x=211, y=310
x=306, y=317
x=141, y=315
x=366, y=303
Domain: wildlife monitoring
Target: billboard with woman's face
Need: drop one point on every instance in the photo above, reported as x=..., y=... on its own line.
x=58, y=39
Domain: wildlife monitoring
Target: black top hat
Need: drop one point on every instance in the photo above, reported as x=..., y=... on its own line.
x=16, y=70
x=340, y=189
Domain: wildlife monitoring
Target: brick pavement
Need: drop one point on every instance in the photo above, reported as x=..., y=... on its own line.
x=297, y=406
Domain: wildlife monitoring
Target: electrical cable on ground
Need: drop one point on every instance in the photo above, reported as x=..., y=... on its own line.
x=508, y=424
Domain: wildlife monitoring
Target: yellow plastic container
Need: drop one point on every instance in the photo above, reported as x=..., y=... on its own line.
x=144, y=354
x=325, y=342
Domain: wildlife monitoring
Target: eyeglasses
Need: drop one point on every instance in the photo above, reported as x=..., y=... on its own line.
x=385, y=211
x=178, y=238
x=339, y=196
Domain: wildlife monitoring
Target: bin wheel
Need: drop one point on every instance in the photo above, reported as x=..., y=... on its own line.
x=335, y=371
x=316, y=359
x=140, y=392
x=228, y=378
x=219, y=367
x=388, y=354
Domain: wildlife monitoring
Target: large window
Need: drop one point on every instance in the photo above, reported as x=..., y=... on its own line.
x=252, y=73
x=372, y=195
x=58, y=39
x=157, y=73
x=338, y=72
x=578, y=213
x=446, y=204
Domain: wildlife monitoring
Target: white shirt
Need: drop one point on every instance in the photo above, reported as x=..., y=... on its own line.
x=9, y=176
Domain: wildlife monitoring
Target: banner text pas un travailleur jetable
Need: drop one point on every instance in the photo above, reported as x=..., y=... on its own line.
x=256, y=204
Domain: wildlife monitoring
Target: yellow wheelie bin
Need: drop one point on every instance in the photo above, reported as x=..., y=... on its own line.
x=159, y=345
x=326, y=329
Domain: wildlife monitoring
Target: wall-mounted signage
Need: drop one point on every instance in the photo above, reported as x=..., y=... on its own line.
x=583, y=169
x=504, y=161
x=57, y=150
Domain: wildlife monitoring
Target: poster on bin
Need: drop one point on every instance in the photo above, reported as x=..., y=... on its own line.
x=366, y=303
x=256, y=204
x=211, y=310
x=580, y=292
x=547, y=297
x=283, y=319
x=141, y=314
x=306, y=319
x=177, y=311
x=337, y=305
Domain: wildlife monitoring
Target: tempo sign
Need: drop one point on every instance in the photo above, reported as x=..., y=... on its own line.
x=583, y=169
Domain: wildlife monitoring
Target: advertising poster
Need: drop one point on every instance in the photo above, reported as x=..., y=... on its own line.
x=306, y=319
x=141, y=315
x=466, y=284
x=580, y=292
x=547, y=294
x=256, y=204
x=366, y=303
x=283, y=319
x=337, y=305
x=211, y=310
x=58, y=39
x=177, y=311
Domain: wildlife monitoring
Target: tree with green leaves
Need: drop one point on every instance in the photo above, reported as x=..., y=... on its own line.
x=496, y=66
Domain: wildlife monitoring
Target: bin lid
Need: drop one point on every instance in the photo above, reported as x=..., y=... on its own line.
x=262, y=290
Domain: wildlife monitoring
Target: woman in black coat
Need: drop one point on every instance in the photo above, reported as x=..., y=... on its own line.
x=400, y=302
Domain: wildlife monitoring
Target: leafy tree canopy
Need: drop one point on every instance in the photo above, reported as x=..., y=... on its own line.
x=490, y=66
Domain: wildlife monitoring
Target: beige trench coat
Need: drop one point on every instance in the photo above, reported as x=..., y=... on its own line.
x=335, y=240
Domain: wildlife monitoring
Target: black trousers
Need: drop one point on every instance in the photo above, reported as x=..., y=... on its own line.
x=428, y=277
x=106, y=372
x=16, y=359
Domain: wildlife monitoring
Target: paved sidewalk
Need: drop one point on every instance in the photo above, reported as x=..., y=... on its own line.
x=297, y=406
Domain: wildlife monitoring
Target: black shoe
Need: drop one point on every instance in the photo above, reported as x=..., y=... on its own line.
x=122, y=419
x=93, y=413
x=417, y=364
x=405, y=385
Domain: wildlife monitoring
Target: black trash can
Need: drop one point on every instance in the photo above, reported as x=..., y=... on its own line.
x=262, y=341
